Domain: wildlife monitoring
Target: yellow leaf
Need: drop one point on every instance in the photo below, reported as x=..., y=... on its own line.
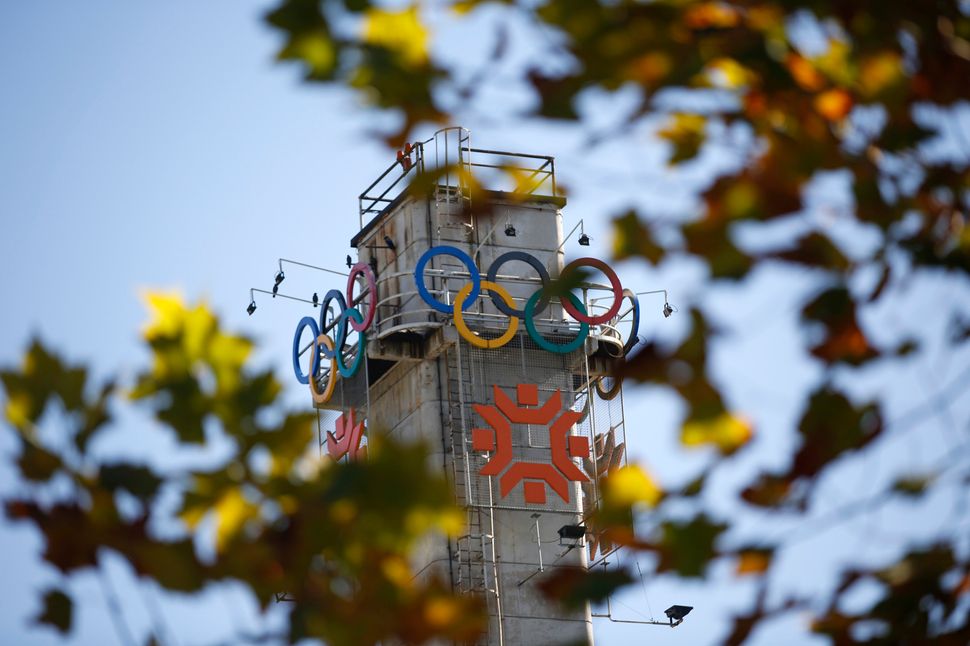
x=441, y=611
x=232, y=511
x=753, y=562
x=728, y=73
x=728, y=432
x=880, y=72
x=401, y=32
x=628, y=486
x=396, y=570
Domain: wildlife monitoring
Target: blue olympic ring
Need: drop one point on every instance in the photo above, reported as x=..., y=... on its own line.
x=632, y=340
x=306, y=321
x=445, y=250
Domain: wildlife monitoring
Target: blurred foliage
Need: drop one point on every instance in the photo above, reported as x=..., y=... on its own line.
x=820, y=86
x=286, y=521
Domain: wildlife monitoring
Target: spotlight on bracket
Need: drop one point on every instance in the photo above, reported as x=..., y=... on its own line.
x=676, y=614
x=583, y=240
x=251, y=308
x=279, y=277
x=573, y=533
x=510, y=230
x=668, y=310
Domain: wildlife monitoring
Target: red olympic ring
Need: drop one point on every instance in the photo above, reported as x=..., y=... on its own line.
x=614, y=282
x=356, y=270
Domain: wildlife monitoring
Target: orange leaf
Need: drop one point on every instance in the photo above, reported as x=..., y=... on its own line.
x=833, y=104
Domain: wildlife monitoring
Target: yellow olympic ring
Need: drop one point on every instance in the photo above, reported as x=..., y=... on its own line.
x=324, y=397
x=472, y=337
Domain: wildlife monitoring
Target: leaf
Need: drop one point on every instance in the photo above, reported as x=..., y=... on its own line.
x=231, y=512
x=913, y=486
x=308, y=38
x=42, y=376
x=633, y=239
x=58, y=611
x=574, y=587
x=686, y=133
x=687, y=547
x=830, y=426
x=815, y=250
x=399, y=32
x=843, y=340
x=753, y=561
x=629, y=486
x=728, y=432
x=769, y=490
x=140, y=481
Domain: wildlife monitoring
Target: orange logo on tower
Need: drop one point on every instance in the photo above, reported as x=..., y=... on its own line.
x=498, y=440
x=346, y=439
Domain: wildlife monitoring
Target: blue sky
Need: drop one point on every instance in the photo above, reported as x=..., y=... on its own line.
x=158, y=145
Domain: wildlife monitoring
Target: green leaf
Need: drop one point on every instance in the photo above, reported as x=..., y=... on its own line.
x=58, y=611
x=139, y=481
x=687, y=548
x=573, y=587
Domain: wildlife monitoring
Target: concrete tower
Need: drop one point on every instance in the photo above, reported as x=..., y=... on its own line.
x=464, y=351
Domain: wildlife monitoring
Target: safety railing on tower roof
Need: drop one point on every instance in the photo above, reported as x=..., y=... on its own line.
x=448, y=168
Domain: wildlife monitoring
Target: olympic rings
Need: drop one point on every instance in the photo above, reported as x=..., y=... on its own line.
x=317, y=396
x=608, y=393
x=583, y=317
x=340, y=335
x=558, y=348
x=306, y=321
x=632, y=338
x=506, y=306
x=445, y=250
x=346, y=372
x=368, y=273
x=472, y=337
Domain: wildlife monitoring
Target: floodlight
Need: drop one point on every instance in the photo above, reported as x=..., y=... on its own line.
x=280, y=276
x=583, y=240
x=251, y=308
x=510, y=230
x=571, y=533
x=677, y=613
x=668, y=310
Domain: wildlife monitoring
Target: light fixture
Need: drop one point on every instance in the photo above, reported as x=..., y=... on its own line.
x=390, y=243
x=251, y=308
x=676, y=614
x=668, y=310
x=583, y=240
x=572, y=533
x=280, y=276
x=510, y=230
x=350, y=263
x=316, y=299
